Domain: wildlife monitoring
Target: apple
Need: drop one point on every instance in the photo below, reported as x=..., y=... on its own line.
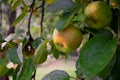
x=67, y=40
x=114, y=3
x=98, y=14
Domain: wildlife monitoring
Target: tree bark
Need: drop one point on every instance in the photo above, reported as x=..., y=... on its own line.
x=12, y=17
x=3, y=77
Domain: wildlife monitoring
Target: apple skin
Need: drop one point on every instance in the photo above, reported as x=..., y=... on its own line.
x=114, y=3
x=67, y=40
x=98, y=14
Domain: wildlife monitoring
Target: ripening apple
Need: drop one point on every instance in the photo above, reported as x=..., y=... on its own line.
x=67, y=40
x=98, y=14
x=114, y=3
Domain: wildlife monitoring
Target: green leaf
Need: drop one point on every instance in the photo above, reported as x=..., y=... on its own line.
x=12, y=45
x=106, y=33
x=90, y=30
x=96, y=54
x=107, y=70
x=25, y=6
x=13, y=56
x=61, y=5
x=116, y=70
x=10, y=72
x=78, y=71
x=16, y=4
x=27, y=69
x=54, y=51
x=16, y=72
x=19, y=18
x=25, y=41
x=0, y=35
x=64, y=20
x=3, y=68
x=57, y=75
x=37, y=42
x=41, y=53
x=1, y=39
x=80, y=17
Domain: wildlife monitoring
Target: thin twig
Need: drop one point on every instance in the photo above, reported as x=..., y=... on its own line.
x=0, y=18
x=42, y=16
x=33, y=76
x=39, y=7
x=29, y=19
x=12, y=17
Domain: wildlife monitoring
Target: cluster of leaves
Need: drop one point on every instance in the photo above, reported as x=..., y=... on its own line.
x=99, y=57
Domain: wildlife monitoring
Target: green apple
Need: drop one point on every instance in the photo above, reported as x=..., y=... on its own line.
x=67, y=40
x=98, y=14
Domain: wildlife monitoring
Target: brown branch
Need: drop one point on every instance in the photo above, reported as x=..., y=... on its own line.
x=42, y=17
x=12, y=17
x=28, y=45
x=29, y=19
x=39, y=7
x=0, y=16
x=11, y=20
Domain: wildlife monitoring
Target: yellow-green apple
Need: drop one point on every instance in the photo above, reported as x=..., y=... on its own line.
x=67, y=40
x=98, y=14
